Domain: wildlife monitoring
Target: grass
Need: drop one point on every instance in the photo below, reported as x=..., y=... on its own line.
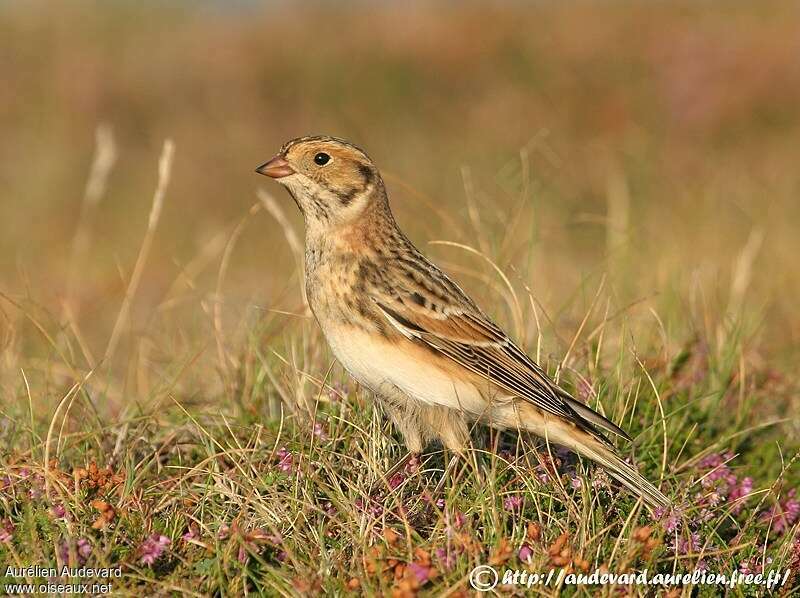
x=273, y=479
x=169, y=406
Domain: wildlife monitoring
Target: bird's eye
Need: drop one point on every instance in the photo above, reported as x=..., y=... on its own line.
x=321, y=159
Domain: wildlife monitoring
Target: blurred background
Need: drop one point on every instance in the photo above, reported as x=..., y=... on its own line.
x=655, y=145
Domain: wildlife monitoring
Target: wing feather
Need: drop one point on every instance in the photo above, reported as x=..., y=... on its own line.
x=434, y=311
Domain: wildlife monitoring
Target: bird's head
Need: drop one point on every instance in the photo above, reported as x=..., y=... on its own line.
x=331, y=180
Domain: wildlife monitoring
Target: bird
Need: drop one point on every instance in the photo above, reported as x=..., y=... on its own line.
x=407, y=332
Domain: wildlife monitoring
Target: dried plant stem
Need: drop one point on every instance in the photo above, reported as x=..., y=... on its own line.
x=164, y=170
x=105, y=155
x=289, y=233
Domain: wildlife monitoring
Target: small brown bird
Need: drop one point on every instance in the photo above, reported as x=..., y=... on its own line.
x=407, y=332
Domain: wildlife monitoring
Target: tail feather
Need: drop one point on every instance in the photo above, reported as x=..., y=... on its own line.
x=585, y=440
x=624, y=473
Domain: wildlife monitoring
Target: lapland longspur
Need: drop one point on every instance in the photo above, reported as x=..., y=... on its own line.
x=410, y=334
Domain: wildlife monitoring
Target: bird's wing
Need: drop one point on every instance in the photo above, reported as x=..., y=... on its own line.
x=427, y=307
x=437, y=313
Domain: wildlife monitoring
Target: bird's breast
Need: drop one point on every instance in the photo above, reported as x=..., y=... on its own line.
x=387, y=364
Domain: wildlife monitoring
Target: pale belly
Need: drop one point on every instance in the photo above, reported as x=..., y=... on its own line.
x=383, y=367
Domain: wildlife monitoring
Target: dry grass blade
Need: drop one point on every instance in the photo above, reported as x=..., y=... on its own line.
x=164, y=171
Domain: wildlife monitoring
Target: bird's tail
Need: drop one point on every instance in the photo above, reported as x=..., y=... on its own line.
x=586, y=441
x=621, y=471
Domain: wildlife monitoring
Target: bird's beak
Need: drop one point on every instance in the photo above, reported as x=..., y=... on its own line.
x=275, y=168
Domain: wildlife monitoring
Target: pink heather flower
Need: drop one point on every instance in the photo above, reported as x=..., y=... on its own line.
x=82, y=550
x=575, y=482
x=373, y=509
x=440, y=504
x=242, y=556
x=739, y=492
x=784, y=514
x=686, y=546
x=330, y=510
x=600, y=479
x=420, y=572
x=412, y=466
x=193, y=533
x=336, y=392
x=749, y=566
x=223, y=532
x=319, y=431
x=670, y=518
x=512, y=502
x=718, y=464
x=454, y=521
x=396, y=480
x=525, y=553
x=152, y=548
x=58, y=511
x=6, y=530
x=447, y=559
x=286, y=460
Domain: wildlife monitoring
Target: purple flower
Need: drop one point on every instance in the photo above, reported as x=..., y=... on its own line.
x=512, y=502
x=337, y=392
x=152, y=548
x=784, y=514
x=686, y=546
x=396, y=480
x=412, y=466
x=600, y=479
x=319, y=431
x=374, y=508
x=448, y=559
x=739, y=492
x=745, y=567
x=286, y=460
x=670, y=518
x=193, y=533
x=420, y=572
x=82, y=550
x=58, y=511
x=454, y=521
x=223, y=532
x=575, y=482
x=525, y=553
